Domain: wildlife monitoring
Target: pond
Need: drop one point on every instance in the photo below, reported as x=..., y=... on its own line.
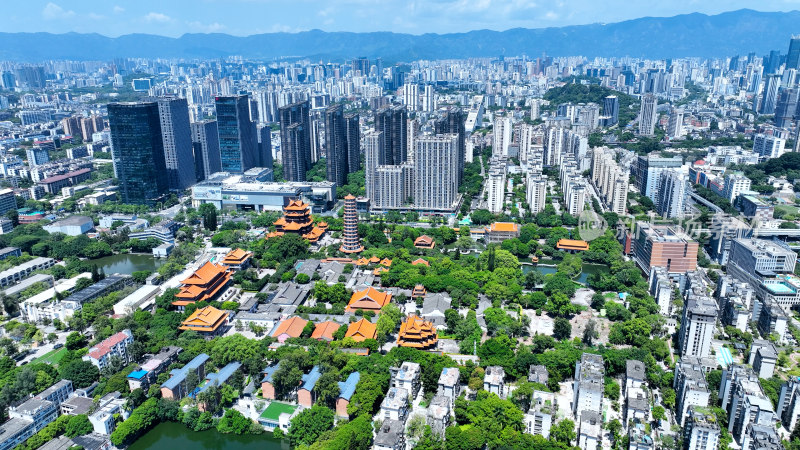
x=127, y=263
x=174, y=436
x=587, y=269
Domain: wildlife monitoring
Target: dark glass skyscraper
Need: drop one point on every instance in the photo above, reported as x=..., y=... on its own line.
x=353, y=131
x=137, y=150
x=611, y=108
x=238, y=145
x=264, y=133
x=205, y=142
x=295, y=140
x=793, y=57
x=177, y=136
x=392, y=121
x=336, y=144
x=453, y=122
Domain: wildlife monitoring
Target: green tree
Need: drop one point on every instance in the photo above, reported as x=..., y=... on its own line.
x=209, y=214
x=81, y=373
x=562, y=329
x=306, y=427
x=563, y=432
x=233, y=422
x=75, y=341
x=78, y=426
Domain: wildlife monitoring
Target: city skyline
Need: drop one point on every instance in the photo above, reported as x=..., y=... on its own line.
x=246, y=17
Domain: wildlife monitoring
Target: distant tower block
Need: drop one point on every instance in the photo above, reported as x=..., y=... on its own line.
x=350, y=242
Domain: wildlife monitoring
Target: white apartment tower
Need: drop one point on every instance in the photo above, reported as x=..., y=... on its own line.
x=536, y=192
x=671, y=194
x=648, y=115
x=435, y=171
x=502, y=136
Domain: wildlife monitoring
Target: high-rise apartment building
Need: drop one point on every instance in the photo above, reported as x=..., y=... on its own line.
x=453, y=123
x=411, y=96
x=671, y=198
x=697, y=326
x=690, y=387
x=768, y=146
x=295, y=140
x=353, y=133
x=435, y=172
x=610, y=179
x=769, y=97
x=373, y=157
x=648, y=115
x=735, y=184
x=177, y=135
x=664, y=246
x=702, y=430
x=536, y=192
x=588, y=385
x=675, y=127
x=648, y=170
x=786, y=107
x=137, y=151
x=502, y=136
x=751, y=260
x=361, y=66
x=238, y=144
x=336, y=145
x=392, y=121
x=205, y=143
x=496, y=187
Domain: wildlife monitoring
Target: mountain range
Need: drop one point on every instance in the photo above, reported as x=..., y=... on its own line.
x=699, y=35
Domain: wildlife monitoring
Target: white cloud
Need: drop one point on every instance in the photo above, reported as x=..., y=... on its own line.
x=157, y=17
x=206, y=27
x=118, y=9
x=52, y=11
x=95, y=16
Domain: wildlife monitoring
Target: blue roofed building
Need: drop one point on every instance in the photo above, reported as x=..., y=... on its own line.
x=346, y=390
x=175, y=388
x=306, y=395
x=267, y=387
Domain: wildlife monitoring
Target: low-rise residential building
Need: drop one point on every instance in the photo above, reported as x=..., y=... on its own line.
x=267, y=382
x=390, y=436
x=21, y=271
x=763, y=357
x=346, y=390
x=590, y=430
x=589, y=385
x=218, y=379
x=57, y=393
x=306, y=394
x=448, y=385
x=494, y=381
x=639, y=439
x=155, y=365
x=634, y=374
x=175, y=387
x=102, y=419
x=25, y=420
x=538, y=374
x=439, y=417
x=541, y=414
x=395, y=405
x=116, y=346
x=407, y=376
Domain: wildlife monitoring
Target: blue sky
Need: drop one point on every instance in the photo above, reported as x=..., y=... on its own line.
x=244, y=17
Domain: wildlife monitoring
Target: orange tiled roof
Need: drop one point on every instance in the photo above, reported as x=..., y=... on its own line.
x=374, y=260
x=205, y=274
x=419, y=291
x=419, y=261
x=236, y=256
x=572, y=244
x=205, y=320
x=325, y=330
x=369, y=299
x=362, y=262
x=417, y=333
x=386, y=262
x=292, y=327
x=504, y=227
x=361, y=330
x=424, y=241
x=378, y=271
x=296, y=205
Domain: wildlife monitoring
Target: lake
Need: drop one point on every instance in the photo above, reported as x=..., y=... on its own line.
x=587, y=269
x=127, y=263
x=175, y=436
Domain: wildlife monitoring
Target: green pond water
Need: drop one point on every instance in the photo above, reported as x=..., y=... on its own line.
x=175, y=436
x=588, y=269
x=127, y=263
